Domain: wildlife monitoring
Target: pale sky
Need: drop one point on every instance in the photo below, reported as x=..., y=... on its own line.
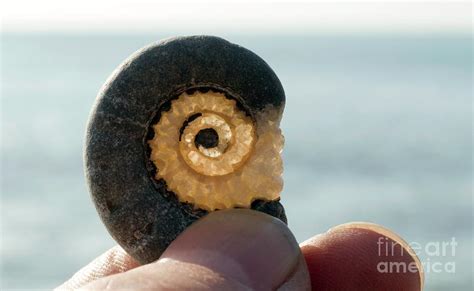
x=297, y=17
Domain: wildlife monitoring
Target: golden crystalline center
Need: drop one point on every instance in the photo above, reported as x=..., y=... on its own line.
x=242, y=166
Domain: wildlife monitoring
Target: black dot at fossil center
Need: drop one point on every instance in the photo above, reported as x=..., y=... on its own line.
x=208, y=138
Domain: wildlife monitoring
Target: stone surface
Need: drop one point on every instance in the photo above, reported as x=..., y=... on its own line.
x=138, y=210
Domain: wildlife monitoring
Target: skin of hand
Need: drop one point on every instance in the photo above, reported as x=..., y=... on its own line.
x=247, y=250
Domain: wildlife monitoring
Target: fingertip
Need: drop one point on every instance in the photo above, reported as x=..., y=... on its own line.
x=391, y=236
x=247, y=246
x=362, y=256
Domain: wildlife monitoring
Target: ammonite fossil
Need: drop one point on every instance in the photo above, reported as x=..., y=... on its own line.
x=183, y=127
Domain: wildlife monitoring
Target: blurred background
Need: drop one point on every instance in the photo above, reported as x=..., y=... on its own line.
x=378, y=119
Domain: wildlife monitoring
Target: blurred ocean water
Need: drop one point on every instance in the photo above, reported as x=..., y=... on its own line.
x=378, y=128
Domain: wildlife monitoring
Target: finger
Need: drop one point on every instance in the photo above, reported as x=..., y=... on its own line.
x=362, y=256
x=114, y=261
x=226, y=250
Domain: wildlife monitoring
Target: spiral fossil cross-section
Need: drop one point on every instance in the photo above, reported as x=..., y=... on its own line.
x=183, y=127
x=239, y=167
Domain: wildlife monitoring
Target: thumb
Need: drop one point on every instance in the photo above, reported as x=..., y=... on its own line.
x=229, y=249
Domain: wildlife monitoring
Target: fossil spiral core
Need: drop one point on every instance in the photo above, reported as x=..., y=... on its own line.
x=241, y=167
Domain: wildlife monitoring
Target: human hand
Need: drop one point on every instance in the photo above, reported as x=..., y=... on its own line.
x=248, y=250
